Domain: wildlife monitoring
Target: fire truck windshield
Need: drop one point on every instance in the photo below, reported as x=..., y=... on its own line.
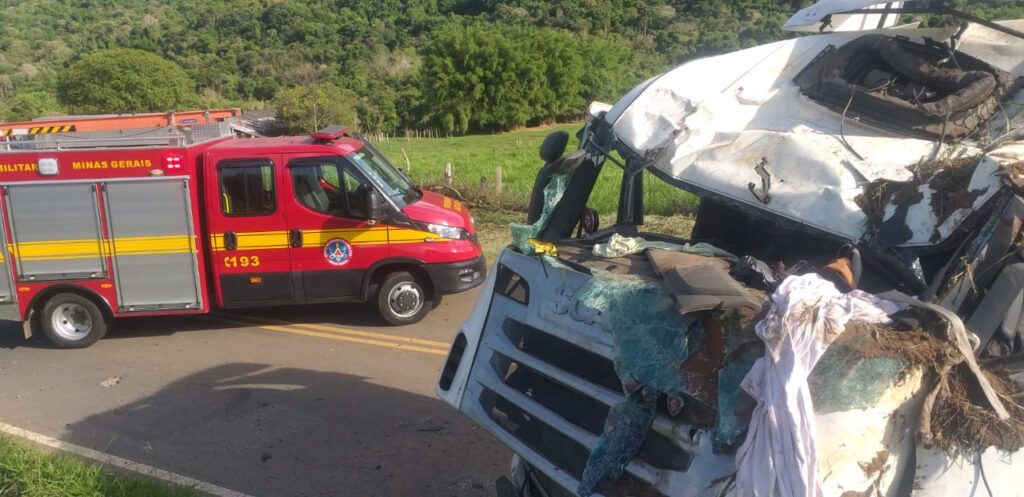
x=390, y=181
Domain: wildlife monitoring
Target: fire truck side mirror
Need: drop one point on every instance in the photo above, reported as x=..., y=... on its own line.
x=373, y=205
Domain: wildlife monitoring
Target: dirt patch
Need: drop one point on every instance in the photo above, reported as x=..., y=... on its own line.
x=948, y=177
x=880, y=193
x=877, y=464
x=874, y=467
x=907, y=194
x=917, y=347
x=874, y=199
x=951, y=192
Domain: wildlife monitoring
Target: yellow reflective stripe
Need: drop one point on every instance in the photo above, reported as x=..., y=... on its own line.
x=259, y=240
x=355, y=236
x=87, y=249
x=264, y=240
x=376, y=235
x=70, y=249
x=402, y=235
x=406, y=242
x=142, y=245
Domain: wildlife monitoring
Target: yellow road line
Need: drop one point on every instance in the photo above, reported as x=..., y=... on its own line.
x=333, y=336
x=339, y=329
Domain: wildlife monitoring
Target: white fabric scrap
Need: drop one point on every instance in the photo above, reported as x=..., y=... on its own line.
x=778, y=458
x=618, y=246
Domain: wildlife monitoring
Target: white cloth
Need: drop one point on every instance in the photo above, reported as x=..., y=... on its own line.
x=618, y=246
x=779, y=458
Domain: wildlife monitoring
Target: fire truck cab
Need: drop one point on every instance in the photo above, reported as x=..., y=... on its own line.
x=186, y=220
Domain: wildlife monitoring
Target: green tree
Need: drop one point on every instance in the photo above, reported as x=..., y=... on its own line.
x=29, y=105
x=125, y=80
x=486, y=78
x=304, y=109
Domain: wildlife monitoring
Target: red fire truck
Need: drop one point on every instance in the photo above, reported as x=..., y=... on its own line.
x=184, y=220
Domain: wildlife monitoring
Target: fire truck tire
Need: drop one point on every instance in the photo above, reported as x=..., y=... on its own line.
x=402, y=299
x=72, y=321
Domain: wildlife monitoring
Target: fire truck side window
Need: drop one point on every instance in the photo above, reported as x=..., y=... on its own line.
x=247, y=189
x=327, y=188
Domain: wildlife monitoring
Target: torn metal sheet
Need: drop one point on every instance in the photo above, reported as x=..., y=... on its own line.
x=713, y=121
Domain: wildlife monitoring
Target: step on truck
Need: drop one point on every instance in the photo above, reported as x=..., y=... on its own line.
x=185, y=220
x=866, y=161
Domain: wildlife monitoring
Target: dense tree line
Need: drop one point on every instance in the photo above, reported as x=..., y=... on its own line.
x=454, y=65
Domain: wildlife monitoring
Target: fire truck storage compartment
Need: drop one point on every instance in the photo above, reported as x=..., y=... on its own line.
x=56, y=232
x=154, y=245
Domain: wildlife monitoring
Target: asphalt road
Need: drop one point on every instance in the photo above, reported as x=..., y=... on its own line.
x=301, y=401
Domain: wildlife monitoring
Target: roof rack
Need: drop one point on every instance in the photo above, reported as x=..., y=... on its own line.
x=166, y=136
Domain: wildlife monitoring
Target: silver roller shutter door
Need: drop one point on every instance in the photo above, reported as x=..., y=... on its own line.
x=56, y=231
x=155, y=264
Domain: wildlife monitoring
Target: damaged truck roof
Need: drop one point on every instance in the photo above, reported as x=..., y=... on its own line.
x=771, y=128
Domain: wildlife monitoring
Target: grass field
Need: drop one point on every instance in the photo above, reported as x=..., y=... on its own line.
x=476, y=156
x=28, y=472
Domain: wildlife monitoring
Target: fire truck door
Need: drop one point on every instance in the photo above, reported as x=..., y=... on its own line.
x=249, y=234
x=335, y=244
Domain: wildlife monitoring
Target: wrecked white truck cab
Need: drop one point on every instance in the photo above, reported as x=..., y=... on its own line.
x=846, y=318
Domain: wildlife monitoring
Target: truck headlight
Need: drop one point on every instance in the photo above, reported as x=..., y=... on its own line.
x=450, y=232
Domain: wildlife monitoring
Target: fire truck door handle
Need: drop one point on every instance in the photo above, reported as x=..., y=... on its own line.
x=230, y=240
x=295, y=236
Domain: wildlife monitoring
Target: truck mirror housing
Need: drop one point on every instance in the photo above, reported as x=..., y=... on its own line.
x=373, y=205
x=554, y=145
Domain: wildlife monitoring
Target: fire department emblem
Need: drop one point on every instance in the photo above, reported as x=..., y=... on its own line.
x=337, y=251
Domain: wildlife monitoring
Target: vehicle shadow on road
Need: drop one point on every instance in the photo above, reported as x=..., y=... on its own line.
x=273, y=431
x=343, y=314
x=12, y=333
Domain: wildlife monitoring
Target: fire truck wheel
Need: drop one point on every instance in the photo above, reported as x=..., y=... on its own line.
x=72, y=321
x=401, y=299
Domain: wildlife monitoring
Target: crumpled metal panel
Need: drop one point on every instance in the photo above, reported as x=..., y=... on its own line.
x=709, y=123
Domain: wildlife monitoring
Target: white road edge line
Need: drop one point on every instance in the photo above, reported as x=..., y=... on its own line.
x=120, y=462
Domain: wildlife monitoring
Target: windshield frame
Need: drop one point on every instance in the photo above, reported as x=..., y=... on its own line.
x=390, y=181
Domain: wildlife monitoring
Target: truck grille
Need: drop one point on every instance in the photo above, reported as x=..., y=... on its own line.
x=543, y=383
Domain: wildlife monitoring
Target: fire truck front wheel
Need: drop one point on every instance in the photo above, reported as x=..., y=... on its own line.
x=72, y=321
x=402, y=299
